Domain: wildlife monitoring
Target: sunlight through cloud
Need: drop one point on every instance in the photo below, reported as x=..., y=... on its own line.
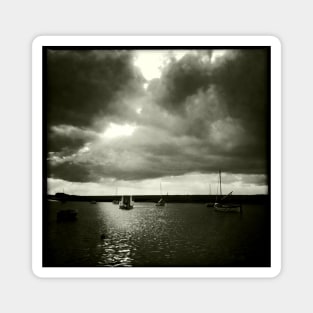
x=116, y=130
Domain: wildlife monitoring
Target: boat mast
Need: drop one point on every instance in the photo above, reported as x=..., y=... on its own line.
x=216, y=196
x=220, y=182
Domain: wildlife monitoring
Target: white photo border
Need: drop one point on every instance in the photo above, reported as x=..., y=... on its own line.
x=158, y=272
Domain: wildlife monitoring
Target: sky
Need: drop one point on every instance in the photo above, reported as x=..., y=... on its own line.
x=130, y=121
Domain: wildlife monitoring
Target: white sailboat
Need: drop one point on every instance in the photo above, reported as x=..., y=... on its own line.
x=116, y=201
x=210, y=204
x=126, y=203
x=161, y=202
x=222, y=206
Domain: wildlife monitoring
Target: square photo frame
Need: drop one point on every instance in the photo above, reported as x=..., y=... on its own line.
x=156, y=156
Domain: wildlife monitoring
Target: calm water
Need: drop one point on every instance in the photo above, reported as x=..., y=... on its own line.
x=174, y=235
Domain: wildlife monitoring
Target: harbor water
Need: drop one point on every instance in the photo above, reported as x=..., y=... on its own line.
x=178, y=234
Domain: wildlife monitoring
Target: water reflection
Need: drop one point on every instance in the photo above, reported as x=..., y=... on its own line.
x=177, y=235
x=115, y=251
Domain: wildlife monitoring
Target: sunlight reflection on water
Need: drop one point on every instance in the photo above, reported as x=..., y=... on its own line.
x=174, y=235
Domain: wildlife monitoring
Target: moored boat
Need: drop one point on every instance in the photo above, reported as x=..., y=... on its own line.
x=228, y=207
x=126, y=203
x=210, y=204
x=116, y=201
x=161, y=202
x=67, y=215
x=223, y=205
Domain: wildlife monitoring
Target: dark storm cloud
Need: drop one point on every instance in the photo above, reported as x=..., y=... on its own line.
x=181, y=79
x=71, y=172
x=141, y=157
x=152, y=166
x=82, y=85
x=243, y=83
x=234, y=88
x=198, y=117
x=68, y=138
x=240, y=78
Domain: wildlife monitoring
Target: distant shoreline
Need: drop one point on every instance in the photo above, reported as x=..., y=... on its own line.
x=257, y=199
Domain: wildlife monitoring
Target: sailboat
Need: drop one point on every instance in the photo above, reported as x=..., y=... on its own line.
x=161, y=202
x=126, y=203
x=210, y=204
x=221, y=206
x=116, y=201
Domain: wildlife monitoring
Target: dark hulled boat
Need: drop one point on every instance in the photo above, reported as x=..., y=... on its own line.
x=67, y=215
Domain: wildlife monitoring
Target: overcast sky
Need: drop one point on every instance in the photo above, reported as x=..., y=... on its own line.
x=125, y=121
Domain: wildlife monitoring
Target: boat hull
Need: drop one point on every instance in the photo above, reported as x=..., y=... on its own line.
x=126, y=203
x=228, y=208
x=67, y=215
x=126, y=207
x=160, y=204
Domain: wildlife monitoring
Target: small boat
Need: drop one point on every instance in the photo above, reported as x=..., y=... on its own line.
x=225, y=206
x=210, y=204
x=67, y=215
x=93, y=202
x=228, y=207
x=161, y=202
x=126, y=203
x=116, y=201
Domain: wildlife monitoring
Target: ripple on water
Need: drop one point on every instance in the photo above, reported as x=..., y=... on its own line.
x=178, y=235
x=115, y=251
